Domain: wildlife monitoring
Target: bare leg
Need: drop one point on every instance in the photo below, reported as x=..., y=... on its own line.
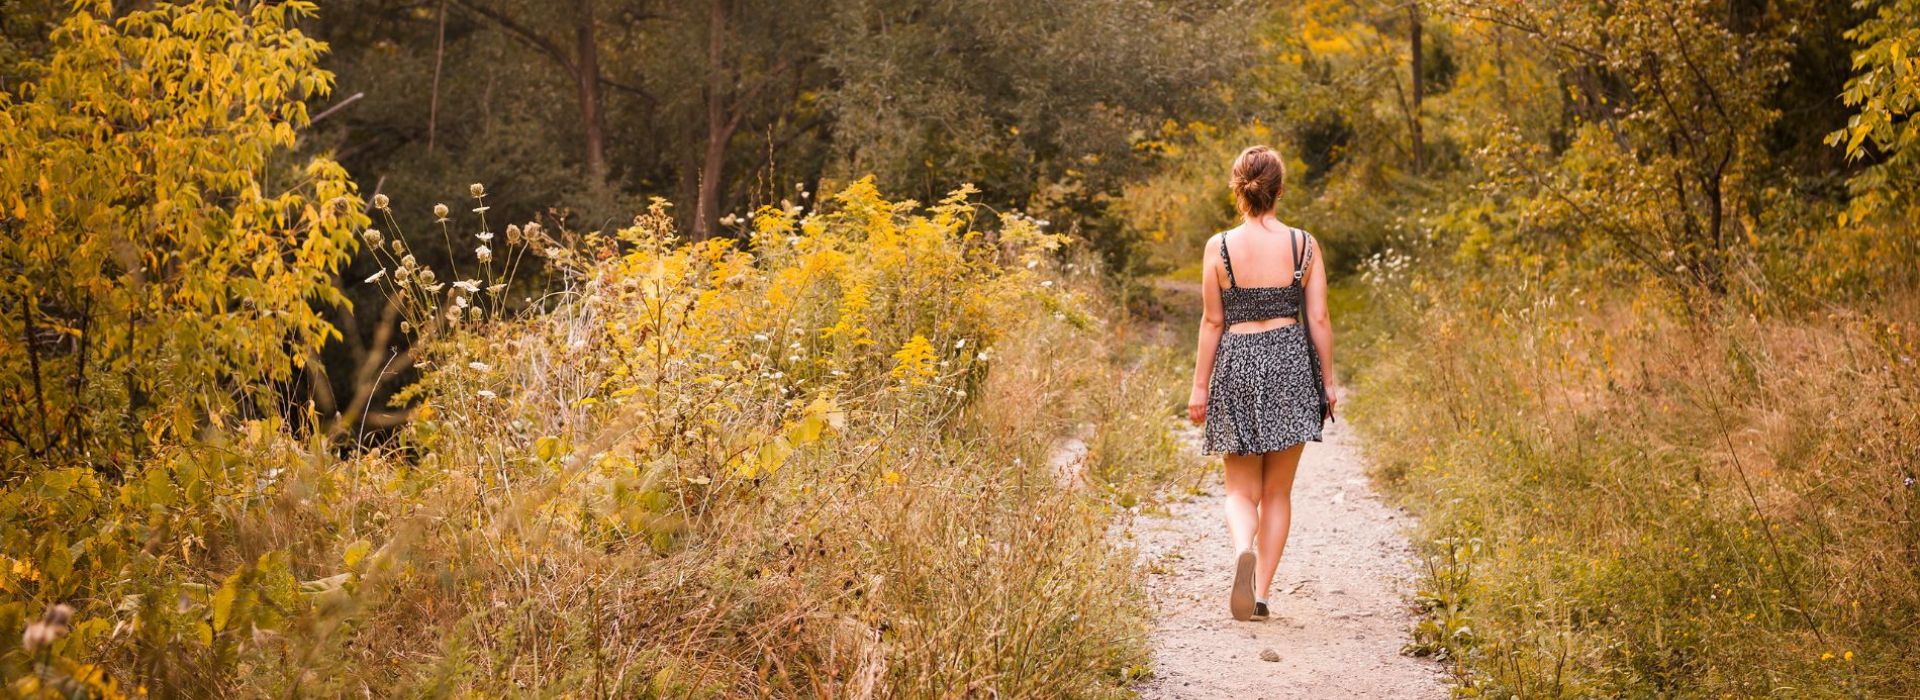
x=1244, y=474
x=1276, y=513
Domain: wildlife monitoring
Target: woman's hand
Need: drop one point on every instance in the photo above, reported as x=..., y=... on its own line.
x=1333, y=397
x=1197, y=407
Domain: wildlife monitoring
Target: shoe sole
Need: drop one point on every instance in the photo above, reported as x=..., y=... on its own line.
x=1241, y=602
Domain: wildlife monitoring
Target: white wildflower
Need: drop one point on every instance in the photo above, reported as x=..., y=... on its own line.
x=488, y=394
x=480, y=366
x=483, y=254
x=377, y=276
x=960, y=344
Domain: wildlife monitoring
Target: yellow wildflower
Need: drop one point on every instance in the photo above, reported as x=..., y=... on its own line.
x=914, y=361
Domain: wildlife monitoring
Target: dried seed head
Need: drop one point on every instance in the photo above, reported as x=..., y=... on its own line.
x=440, y=210
x=51, y=626
x=406, y=327
x=398, y=247
x=380, y=201
x=484, y=254
x=402, y=274
x=513, y=234
x=426, y=276
x=407, y=262
x=372, y=237
x=476, y=190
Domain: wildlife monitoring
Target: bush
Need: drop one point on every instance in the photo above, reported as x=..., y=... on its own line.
x=787, y=469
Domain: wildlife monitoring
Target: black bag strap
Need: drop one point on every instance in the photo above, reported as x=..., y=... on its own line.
x=1226, y=260
x=1302, y=254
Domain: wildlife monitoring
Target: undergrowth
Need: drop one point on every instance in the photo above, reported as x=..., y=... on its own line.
x=816, y=463
x=1629, y=491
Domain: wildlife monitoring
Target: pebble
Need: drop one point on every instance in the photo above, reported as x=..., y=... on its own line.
x=1268, y=654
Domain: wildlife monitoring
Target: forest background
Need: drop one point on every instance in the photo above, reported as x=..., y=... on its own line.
x=1626, y=292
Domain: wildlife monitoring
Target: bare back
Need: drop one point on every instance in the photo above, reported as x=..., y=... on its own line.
x=1258, y=255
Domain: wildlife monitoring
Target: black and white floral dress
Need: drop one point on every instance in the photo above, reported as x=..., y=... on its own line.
x=1265, y=394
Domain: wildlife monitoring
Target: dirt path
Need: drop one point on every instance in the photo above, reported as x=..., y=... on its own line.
x=1339, y=603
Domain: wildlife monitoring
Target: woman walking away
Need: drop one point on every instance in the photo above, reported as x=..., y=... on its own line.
x=1263, y=381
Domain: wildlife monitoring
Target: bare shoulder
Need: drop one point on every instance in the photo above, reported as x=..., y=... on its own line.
x=1212, y=244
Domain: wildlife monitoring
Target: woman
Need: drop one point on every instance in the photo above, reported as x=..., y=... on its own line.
x=1263, y=383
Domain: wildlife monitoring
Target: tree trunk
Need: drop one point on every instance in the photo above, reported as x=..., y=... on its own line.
x=1413, y=37
x=439, y=56
x=587, y=75
x=707, y=211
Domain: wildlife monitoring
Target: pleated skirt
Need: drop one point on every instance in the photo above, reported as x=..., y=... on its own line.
x=1262, y=395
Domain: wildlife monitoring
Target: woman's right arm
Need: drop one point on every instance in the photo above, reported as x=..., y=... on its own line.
x=1212, y=324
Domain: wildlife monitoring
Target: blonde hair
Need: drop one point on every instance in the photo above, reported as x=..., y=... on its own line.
x=1259, y=177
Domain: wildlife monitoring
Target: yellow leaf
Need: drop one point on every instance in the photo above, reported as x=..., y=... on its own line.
x=356, y=552
x=223, y=601
x=546, y=448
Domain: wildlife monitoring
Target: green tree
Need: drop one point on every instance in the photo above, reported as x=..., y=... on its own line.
x=1668, y=107
x=163, y=256
x=1886, y=91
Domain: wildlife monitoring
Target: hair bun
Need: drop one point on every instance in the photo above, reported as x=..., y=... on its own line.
x=1259, y=176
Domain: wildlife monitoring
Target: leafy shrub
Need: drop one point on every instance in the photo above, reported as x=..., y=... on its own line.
x=690, y=469
x=165, y=263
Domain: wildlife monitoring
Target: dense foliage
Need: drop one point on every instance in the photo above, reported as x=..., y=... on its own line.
x=618, y=463
x=1638, y=277
x=164, y=255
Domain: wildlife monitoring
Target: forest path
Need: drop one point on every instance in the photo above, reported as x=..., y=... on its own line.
x=1340, y=612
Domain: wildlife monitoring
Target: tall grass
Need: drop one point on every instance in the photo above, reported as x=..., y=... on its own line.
x=1629, y=492
x=812, y=464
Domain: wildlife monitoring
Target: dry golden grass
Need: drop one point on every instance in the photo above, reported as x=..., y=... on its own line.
x=1625, y=495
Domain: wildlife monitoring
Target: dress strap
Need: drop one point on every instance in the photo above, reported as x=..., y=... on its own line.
x=1227, y=260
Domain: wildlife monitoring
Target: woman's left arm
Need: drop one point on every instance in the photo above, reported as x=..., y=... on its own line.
x=1321, y=323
